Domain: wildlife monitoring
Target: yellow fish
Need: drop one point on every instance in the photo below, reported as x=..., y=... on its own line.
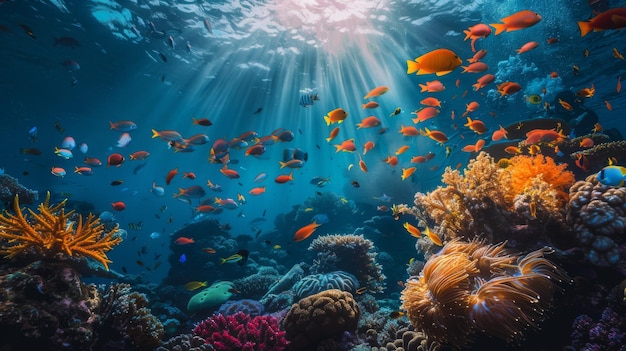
x=276, y=247
x=191, y=286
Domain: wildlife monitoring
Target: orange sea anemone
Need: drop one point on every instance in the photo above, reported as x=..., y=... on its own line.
x=469, y=287
x=523, y=168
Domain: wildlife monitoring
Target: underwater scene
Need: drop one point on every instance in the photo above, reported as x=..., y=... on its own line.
x=312, y=175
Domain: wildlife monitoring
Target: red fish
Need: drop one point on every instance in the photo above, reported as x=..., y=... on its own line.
x=284, y=178
x=346, y=146
x=115, y=160
x=170, y=175
x=611, y=19
x=305, y=231
x=184, y=241
x=118, y=206
x=519, y=20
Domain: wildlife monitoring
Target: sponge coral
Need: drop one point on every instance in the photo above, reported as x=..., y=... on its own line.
x=469, y=287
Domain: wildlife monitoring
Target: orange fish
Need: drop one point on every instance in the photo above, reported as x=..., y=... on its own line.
x=565, y=104
x=209, y=250
x=476, y=125
x=436, y=135
x=508, y=88
x=610, y=19
x=617, y=54
x=346, y=146
x=471, y=107
x=618, y=87
x=552, y=40
x=391, y=160
x=499, y=134
x=425, y=114
x=368, y=122
x=284, y=178
x=582, y=162
x=335, y=116
x=333, y=134
x=519, y=20
x=477, y=56
x=597, y=128
x=514, y=150
x=378, y=91
x=475, y=67
x=205, y=208
x=115, y=160
x=230, y=173
x=433, y=237
x=554, y=75
x=439, y=61
x=418, y=159
x=586, y=142
x=257, y=191
x=587, y=92
x=474, y=148
x=483, y=81
x=362, y=165
x=170, y=175
x=434, y=86
x=189, y=175
x=370, y=104
x=608, y=105
x=118, y=206
x=431, y=101
x=527, y=47
x=184, y=241
x=407, y=172
x=409, y=131
x=368, y=146
x=476, y=32
x=414, y=231
x=305, y=231
x=402, y=149
x=139, y=155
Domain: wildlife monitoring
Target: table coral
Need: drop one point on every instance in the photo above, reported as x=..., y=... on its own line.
x=51, y=232
x=597, y=213
x=314, y=283
x=469, y=287
x=322, y=316
x=240, y=332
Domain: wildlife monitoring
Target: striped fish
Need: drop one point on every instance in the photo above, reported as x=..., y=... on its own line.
x=307, y=100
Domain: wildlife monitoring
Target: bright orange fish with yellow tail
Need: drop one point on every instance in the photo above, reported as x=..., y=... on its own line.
x=439, y=61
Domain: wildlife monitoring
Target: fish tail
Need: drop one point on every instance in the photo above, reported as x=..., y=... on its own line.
x=111, y=125
x=412, y=66
x=222, y=260
x=154, y=134
x=282, y=164
x=468, y=34
x=500, y=27
x=585, y=28
x=327, y=119
x=424, y=88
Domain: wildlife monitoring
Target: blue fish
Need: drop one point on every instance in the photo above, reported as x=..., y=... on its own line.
x=182, y=258
x=321, y=218
x=612, y=175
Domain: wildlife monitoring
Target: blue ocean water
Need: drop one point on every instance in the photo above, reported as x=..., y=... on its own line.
x=71, y=67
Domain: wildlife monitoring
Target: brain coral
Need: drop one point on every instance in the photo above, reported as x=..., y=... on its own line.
x=597, y=213
x=469, y=287
x=322, y=316
x=312, y=284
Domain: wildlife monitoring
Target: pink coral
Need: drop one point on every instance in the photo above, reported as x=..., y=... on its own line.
x=242, y=332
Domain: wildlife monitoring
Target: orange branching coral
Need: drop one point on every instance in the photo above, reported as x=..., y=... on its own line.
x=50, y=232
x=469, y=287
x=523, y=169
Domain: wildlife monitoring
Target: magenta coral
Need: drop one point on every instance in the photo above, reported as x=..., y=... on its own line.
x=242, y=332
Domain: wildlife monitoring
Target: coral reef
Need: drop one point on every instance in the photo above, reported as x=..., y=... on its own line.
x=10, y=187
x=597, y=213
x=599, y=153
x=469, y=288
x=240, y=332
x=521, y=201
x=350, y=253
x=326, y=315
x=129, y=320
x=256, y=285
x=410, y=340
x=45, y=305
x=607, y=334
x=185, y=342
x=51, y=233
x=211, y=297
x=250, y=307
x=312, y=284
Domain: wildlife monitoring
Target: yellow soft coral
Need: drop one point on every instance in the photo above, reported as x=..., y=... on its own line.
x=50, y=233
x=522, y=169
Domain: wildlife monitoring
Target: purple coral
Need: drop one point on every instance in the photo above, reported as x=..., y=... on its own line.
x=242, y=332
x=608, y=333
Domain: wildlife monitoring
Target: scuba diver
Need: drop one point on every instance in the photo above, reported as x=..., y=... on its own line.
x=579, y=118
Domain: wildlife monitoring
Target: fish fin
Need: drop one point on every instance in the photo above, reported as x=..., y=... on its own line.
x=154, y=133
x=327, y=119
x=500, y=27
x=412, y=66
x=441, y=73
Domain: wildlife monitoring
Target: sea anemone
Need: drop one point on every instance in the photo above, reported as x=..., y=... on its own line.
x=469, y=287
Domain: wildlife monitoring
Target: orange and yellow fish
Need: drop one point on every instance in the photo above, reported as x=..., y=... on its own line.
x=337, y=115
x=305, y=231
x=439, y=62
